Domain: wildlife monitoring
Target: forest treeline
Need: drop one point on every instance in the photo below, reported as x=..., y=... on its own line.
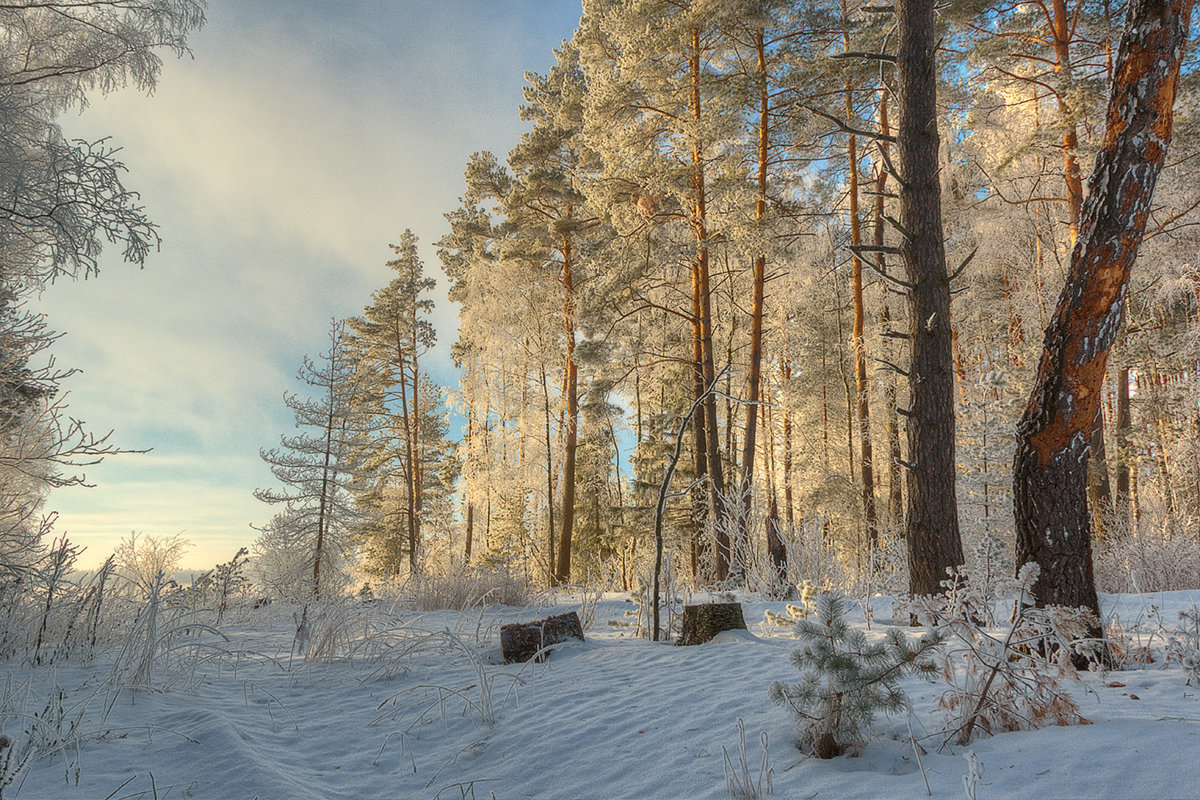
x=862, y=241
x=884, y=255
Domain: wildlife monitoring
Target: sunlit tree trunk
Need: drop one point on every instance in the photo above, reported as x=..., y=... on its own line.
x=703, y=295
x=756, y=310
x=562, y=572
x=1050, y=466
x=861, y=386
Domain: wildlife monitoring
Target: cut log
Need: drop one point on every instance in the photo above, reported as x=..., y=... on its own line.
x=521, y=641
x=702, y=622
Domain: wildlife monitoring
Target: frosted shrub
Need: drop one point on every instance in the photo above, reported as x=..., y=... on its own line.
x=672, y=596
x=165, y=643
x=1011, y=683
x=792, y=613
x=808, y=552
x=222, y=586
x=1146, y=557
x=1183, y=645
x=845, y=680
x=48, y=615
x=465, y=588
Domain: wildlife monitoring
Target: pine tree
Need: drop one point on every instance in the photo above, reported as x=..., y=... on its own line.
x=389, y=341
x=319, y=466
x=1053, y=436
x=932, y=531
x=657, y=112
x=847, y=681
x=548, y=219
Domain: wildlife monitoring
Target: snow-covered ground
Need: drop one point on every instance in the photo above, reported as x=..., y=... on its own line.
x=418, y=710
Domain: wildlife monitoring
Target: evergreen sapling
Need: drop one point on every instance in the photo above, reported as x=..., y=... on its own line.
x=845, y=680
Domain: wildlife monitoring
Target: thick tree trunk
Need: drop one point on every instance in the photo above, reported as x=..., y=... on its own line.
x=1063, y=31
x=932, y=531
x=1050, y=466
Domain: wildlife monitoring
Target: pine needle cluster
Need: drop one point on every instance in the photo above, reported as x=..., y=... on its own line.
x=846, y=680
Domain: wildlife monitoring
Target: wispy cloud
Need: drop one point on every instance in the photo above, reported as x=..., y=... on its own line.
x=302, y=138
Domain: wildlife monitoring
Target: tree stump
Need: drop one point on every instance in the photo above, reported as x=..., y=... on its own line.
x=521, y=641
x=702, y=622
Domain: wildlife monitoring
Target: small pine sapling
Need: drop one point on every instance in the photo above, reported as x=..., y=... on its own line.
x=846, y=680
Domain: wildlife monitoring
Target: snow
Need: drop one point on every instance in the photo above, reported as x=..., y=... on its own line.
x=614, y=717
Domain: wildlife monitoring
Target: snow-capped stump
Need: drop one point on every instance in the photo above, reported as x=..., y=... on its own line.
x=521, y=641
x=704, y=621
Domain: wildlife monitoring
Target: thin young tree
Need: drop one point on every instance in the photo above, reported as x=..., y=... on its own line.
x=318, y=466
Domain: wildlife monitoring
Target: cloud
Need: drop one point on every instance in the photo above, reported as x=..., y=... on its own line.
x=302, y=138
x=203, y=498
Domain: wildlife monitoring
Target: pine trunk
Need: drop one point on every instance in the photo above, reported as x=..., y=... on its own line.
x=866, y=466
x=754, y=379
x=892, y=417
x=702, y=292
x=932, y=534
x=1050, y=466
x=1124, y=504
x=700, y=503
x=467, y=499
x=786, y=423
x=562, y=573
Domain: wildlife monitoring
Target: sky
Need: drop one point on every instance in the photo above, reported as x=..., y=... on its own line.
x=279, y=161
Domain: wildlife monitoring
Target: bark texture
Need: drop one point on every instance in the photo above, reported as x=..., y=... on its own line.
x=702, y=622
x=932, y=520
x=1053, y=436
x=521, y=641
